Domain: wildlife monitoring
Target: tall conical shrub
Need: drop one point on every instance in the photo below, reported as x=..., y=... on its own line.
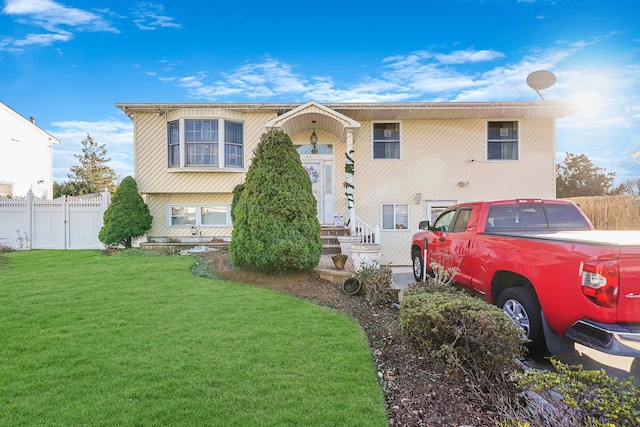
x=126, y=217
x=275, y=224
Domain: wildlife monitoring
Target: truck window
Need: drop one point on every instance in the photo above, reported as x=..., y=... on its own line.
x=535, y=217
x=532, y=218
x=443, y=223
x=516, y=217
x=462, y=220
x=502, y=218
x=565, y=217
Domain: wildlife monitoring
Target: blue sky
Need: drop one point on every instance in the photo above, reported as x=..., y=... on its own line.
x=67, y=62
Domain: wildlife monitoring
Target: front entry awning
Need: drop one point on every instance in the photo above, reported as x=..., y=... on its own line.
x=314, y=114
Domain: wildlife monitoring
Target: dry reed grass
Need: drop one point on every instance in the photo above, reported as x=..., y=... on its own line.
x=611, y=212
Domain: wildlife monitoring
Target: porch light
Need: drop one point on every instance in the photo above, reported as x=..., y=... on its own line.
x=314, y=139
x=193, y=230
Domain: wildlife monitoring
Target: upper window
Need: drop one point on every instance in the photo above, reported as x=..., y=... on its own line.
x=502, y=141
x=201, y=142
x=395, y=216
x=174, y=144
x=205, y=142
x=386, y=140
x=233, y=138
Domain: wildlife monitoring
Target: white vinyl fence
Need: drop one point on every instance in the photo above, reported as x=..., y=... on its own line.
x=62, y=223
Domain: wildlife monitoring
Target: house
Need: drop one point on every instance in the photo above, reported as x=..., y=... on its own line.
x=379, y=168
x=25, y=156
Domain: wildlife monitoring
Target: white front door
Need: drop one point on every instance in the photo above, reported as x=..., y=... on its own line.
x=321, y=174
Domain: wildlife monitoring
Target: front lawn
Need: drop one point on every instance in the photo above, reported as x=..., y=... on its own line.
x=87, y=339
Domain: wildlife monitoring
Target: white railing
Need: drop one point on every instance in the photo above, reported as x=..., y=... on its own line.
x=366, y=233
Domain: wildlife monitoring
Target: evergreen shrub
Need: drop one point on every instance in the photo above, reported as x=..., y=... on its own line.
x=126, y=217
x=275, y=226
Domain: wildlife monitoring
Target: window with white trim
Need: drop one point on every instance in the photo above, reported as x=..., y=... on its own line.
x=502, y=141
x=395, y=216
x=386, y=140
x=173, y=129
x=198, y=143
x=233, y=137
x=194, y=215
x=201, y=142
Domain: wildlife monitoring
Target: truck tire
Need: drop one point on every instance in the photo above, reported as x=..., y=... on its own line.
x=522, y=306
x=417, y=265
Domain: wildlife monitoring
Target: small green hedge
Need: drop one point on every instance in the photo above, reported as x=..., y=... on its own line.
x=475, y=339
x=578, y=398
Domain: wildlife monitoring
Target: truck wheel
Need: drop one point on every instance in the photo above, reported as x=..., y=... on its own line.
x=521, y=305
x=417, y=266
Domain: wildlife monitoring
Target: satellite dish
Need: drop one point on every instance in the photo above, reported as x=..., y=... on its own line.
x=540, y=80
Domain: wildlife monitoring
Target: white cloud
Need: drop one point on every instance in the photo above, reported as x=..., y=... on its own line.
x=258, y=80
x=51, y=16
x=43, y=39
x=469, y=55
x=58, y=20
x=150, y=16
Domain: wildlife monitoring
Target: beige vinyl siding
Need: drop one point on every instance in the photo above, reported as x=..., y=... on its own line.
x=158, y=204
x=435, y=157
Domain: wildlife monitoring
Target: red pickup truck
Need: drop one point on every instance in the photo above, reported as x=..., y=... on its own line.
x=546, y=266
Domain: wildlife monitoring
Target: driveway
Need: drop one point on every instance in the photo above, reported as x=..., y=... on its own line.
x=620, y=367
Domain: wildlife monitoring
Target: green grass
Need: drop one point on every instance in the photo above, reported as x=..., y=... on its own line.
x=87, y=339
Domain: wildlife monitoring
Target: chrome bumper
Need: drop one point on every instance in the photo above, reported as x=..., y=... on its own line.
x=622, y=339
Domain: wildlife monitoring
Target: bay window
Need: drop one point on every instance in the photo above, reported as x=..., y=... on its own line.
x=205, y=143
x=201, y=142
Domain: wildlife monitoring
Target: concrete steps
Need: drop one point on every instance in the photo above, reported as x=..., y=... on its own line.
x=329, y=236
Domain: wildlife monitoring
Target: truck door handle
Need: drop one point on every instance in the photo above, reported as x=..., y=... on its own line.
x=441, y=239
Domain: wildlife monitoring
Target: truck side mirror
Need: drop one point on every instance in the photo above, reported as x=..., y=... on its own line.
x=424, y=225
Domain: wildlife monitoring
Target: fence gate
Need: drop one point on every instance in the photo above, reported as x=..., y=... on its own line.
x=62, y=223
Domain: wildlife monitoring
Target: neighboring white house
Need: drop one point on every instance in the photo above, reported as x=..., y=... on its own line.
x=25, y=156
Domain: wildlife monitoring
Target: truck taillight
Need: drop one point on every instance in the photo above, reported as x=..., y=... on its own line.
x=600, y=282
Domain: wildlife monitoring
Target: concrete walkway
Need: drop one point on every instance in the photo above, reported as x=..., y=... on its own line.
x=402, y=275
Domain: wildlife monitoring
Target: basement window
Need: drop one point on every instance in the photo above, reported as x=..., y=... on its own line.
x=194, y=215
